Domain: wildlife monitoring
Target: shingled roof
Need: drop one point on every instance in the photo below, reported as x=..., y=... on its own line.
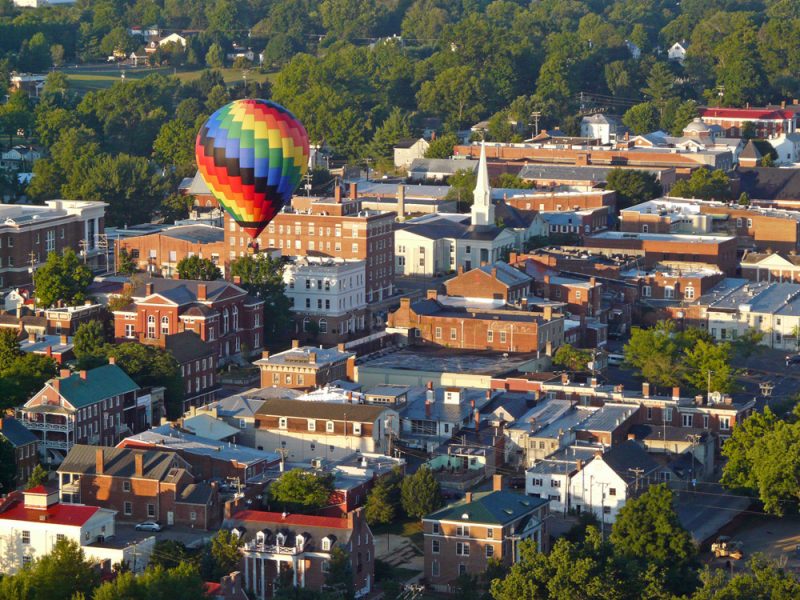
x=321, y=410
x=120, y=462
x=100, y=383
x=494, y=508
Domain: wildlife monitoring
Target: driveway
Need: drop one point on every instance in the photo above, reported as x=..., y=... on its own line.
x=191, y=538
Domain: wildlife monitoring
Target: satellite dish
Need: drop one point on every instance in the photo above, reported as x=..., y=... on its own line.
x=716, y=396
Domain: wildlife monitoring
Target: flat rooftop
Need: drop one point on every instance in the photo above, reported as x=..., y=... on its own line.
x=448, y=360
x=662, y=237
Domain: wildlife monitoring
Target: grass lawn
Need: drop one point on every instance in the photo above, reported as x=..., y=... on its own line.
x=86, y=80
x=410, y=528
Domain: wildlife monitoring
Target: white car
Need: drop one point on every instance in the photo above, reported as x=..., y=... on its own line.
x=148, y=526
x=615, y=359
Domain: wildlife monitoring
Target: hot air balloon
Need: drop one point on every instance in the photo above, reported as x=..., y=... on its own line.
x=252, y=154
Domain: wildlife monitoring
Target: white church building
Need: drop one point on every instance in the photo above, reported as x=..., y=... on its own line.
x=440, y=243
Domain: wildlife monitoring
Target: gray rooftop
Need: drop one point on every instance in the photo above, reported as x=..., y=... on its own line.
x=440, y=411
x=565, y=459
x=199, y=234
x=444, y=166
x=303, y=355
x=451, y=361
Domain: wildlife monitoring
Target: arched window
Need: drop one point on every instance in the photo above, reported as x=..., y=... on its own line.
x=305, y=323
x=151, y=326
x=235, y=318
x=164, y=325
x=225, y=320
x=323, y=326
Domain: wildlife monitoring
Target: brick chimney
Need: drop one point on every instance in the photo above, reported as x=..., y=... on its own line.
x=548, y=313
x=494, y=272
x=138, y=462
x=312, y=358
x=148, y=289
x=83, y=374
x=350, y=367
x=477, y=420
x=202, y=292
x=237, y=280
x=295, y=343
x=631, y=437
x=265, y=354
x=579, y=464
x=98, y=461
x=32, y=337
x=112, y=360
x=646, y=390
x=432, y=295
x=401, y=200
x=64, y=373
x=354, y=191
x=676, y=393
x=468, y=497
x=497, y=482
x=565, y=378
x=337, y=192
x=340, y=347
x=63, y=339
x=460, y=269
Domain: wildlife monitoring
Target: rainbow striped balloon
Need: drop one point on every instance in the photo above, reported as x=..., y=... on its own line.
x=252, y=154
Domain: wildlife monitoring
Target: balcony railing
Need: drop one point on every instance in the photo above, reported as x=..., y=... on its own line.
x=57, y=444
x=270, y=548
x=46, y=425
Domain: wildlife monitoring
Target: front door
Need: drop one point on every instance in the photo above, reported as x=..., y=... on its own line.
x=170, y=518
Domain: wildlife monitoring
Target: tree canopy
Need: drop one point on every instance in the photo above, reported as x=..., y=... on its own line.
x=63, y=277
x=300, y=490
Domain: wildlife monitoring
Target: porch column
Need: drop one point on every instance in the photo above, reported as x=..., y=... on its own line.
x=294, y=571
x=263, y=578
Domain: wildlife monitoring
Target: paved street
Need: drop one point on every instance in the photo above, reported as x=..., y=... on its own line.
x=191, y=538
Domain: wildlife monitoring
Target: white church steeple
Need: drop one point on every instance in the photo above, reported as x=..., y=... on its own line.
x=482, y=207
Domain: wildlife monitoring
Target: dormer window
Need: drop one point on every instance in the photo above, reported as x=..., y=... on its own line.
x=326, y=544
x=281, y=539
x=299, y=542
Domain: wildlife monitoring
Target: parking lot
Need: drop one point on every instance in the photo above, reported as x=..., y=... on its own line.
x=191, y=538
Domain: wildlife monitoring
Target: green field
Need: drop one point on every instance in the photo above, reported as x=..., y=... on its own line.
x=86, y=80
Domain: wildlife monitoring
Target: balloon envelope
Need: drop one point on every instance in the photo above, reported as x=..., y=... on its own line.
x=252, y=154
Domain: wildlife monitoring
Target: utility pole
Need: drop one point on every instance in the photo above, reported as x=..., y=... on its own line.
x=32, y=260
x=84, y=249
x=708, y=388
x=637, y=472
x=535, y=116
x=695, y=439
x=102, y=244
x=282, y=453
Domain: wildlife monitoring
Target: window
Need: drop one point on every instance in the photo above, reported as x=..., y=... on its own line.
x=26, y=560
x=646, y=291
x=435, y=568
x=669, y=292
x=606, y=510
x=453, y=333
x=749, y=223
x=462, y=549
x=356, y=428
x=687, y=419
x=502, y=337
x=645, y=228
x=50, y=240
x=490, y=336
x=705, y=421
x=435, y=546
x=435, y=528
x=739, y=222
x=312, y=425
x=490, y=533
x=129, y=330
x=537, y=482
x=462, y=531
x=325, y=564
x=438, y=333
x=612, y=491
x=555, y=483
x=725, y=423
x=649, y=413
x=282, y=422
x=60, y=537
x=668, y=414
x=128, y=508
x=126, y=486
x=193, y=516
x=151, y=510
x=329, y=426
x=151, y=326
x=164, y=325
x=26, y=537
x=489, y=551
x=326, y=544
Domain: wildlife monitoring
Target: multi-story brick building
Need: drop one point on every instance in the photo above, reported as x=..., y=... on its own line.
x=562, y=201
x=159, y=253
x=198, y=364
x=99, y=406
x=330, y=430
x=716, y=251
x=771, y=266
x=766, y=122
x=140, y=485
x=221, y=313
x=28, y=233
x=26, y=447
x=330, y=294
x=575, y=178
x=301, y=547
x=579, y=296
x=306, y=367
x=578, y=223
x=460, y=539
x=497, y=281
x=65, y=320
x=335, y=227
x=434, y=322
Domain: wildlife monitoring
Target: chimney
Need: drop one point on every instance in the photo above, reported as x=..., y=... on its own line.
x=401, y=200
x=497, y=482
x=460, y=270
x=646, y=390
x=48, y=351
x=148, y=289
x=337, y=192
x=1, y=423
x=32, y=337
x=477, y=420
x=631, y=437
x=432, y=295
x=295, y=343
x=350, y=367
x=138, y=462
x=64, y=373
x=579, y=464
x=593, y=382
x=237, y=280
x=98, y=461
x=565, y=379
x=265, y=354
x=699, y=400
x=202, y=290
x=494, y=272
x=63, y=339
x=488, y=395
x=548, y=313
x=83, y=374
x=468, y=497
x=676, y=393
x=312, y=358
x=112, y=360
x=340, y=347
x=354, y=191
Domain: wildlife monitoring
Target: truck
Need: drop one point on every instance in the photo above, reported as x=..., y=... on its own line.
x=724, y=547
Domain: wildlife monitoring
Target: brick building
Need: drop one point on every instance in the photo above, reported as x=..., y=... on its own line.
x=771, y=266
x=766, y=122
x=198, y=364
x=578, y=223
x=300, y=546
x=677, y=250
x=497, y=281
x=561, y=201
x=335, y=227
x=569, y=179
x=221, y=313
x=99, y=406
x=65, y=320
x=159, y=253
x=433, y=322
x=305, y=367
x=140, y=485
x=30, y=232
x=461, y=538
x=580, y=297
x=25, y=445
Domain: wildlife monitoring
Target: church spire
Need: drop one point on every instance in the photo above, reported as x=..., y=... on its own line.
x=482, y=207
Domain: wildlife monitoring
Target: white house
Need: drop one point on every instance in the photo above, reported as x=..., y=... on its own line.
x=407, y=150
x=678, y=51
x=787, y=147
x=331, y=292
x=604, y=484
x=606, y=128
x=31, y=523
x=172, y=38
x=550, y=478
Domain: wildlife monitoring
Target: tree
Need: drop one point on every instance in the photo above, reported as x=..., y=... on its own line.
x=176, y=207
x=739, y=471
x=8, y=466
x=456, y=93
x=744, y=199
x=655, y=355
x=421, y=493
x=384, y=502
x=38, y=476
x=89, y=344
x=174, y=146
x=632, y=186
x=707, y=357
x=225, y=553
x=63, y=277
x=705, y=184
x=194, y=267
x=685, y=114
x=571, y=358
x=660, y=85
x=301, y=490
x=462, y=187
x=23, y=376
x=126, y=264
x=340, y=574
x=642, y=118
x=394, y=128
x=150, y=365
x=215, y=57
x=761, y=580
x=182, y=582
x=767, y=160
x=9, y=348
x=442, y=146
x=648, y=534
x=262, y=277
x=169, y=554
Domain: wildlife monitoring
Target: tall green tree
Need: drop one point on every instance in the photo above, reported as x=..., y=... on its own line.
x=705, y=184
x=340, y=574
x=442, y=146
x=421, y=493
x=89, y=344
x=709, y=365
x=394, y=128
x=456, y=93
x=225, y=553
x=571, y=358
x=300, y=490
x=655, y=355
x=63, y=277
x=660, y=85
x=194, y=267
x=632, y=186
x=150, y=365
x=262, y=277
x=642, y=118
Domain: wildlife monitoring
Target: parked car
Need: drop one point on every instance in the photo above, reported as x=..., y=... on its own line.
x=149, y=526
x=792, y=359
x=616, y=359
